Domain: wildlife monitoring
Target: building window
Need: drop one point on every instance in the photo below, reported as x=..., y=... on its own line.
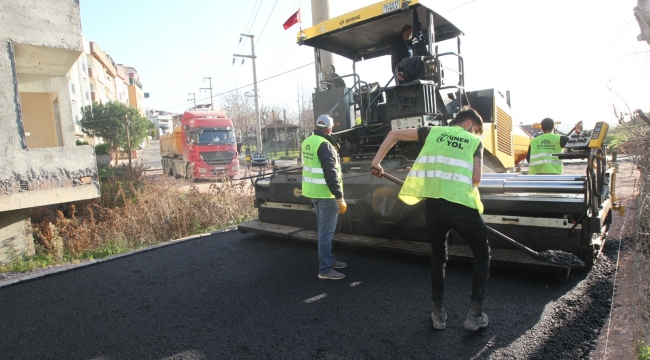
x=76, y=119
x=87, y=96
x=72, y=88
x=83, y=66
x=92, y=88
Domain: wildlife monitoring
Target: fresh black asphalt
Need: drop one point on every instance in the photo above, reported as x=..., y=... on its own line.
x=234, y=296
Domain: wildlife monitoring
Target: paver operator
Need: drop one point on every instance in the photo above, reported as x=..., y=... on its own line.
x=322, y=182
x=446, y=175
x=541, y=148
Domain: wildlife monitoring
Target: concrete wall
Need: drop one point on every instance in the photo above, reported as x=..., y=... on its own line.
x=16, y=232
x=39, y=42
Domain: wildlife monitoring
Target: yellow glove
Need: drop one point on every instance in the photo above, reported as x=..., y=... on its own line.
x=343, y=207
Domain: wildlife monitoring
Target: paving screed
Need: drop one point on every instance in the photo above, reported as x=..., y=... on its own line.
x=250, y=296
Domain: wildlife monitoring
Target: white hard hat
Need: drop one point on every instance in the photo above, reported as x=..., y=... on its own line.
x=325, y=121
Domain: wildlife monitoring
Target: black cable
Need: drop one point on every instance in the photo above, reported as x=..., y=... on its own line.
x=267, y=21
x=241, y=87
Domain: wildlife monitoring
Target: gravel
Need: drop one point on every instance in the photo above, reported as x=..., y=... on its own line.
x=561, y=258
x=250, y=296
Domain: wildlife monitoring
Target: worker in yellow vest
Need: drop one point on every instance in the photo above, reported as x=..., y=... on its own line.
x=446, y=175
x=540, y=152
x=322, y=182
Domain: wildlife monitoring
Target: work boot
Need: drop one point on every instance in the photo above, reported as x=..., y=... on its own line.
x=476, y=318
x=331, y=274
x=339, y=264
x=439, y=315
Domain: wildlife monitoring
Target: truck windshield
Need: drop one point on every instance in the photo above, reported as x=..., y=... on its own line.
x=216, y=137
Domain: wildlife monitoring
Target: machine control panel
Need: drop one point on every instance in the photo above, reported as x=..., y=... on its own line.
x=579, y=140
x=414, y=122
x=598, y=135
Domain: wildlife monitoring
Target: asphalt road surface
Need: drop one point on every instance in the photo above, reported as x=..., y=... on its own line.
x=250, y=296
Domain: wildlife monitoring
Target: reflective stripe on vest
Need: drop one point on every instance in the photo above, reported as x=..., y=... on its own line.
x=313, y=179
x=541, y=159
x=444, y=169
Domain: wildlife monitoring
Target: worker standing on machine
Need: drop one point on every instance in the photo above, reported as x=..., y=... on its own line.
x=540, y=152
x=446, y=175
x=322, y=182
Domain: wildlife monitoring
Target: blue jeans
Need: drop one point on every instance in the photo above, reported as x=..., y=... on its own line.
x=326, y=216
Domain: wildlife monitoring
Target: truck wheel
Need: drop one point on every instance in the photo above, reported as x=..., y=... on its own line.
x=175, y=173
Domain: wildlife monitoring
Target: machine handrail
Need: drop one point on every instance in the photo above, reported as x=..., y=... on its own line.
x=377, y=96
x=346, y=94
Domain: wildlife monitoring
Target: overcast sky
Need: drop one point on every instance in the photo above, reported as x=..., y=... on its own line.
x=569, y=60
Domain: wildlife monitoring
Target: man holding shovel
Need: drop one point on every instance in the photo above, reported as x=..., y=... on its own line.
x=446, y=175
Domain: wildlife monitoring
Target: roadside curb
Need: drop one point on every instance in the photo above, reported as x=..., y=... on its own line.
x=36, y=274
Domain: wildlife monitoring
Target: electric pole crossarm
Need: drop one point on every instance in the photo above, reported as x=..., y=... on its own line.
x=245, y=56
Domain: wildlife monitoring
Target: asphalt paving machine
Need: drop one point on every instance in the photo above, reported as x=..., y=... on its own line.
x=569, y=213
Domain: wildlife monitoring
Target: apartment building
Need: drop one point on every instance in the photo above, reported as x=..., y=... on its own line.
x=162, y=121
x=136, y=94
x=102, y=75
x=80, y=91
x=40, y=164
x=122, y=84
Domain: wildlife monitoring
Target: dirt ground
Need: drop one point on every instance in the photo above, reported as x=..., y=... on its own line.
x=616, y=337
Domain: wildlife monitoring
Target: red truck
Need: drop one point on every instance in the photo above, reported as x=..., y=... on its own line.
x=201, y=146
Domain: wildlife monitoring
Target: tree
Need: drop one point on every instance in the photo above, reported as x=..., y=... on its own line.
x=109, y=120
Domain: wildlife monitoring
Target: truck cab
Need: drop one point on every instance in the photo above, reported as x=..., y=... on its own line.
x=202, y=146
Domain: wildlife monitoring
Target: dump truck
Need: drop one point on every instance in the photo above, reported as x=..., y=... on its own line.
x=202, y=145
x=564, y=213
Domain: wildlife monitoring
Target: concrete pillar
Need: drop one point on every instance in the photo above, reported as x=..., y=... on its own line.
x=15, y=234
x=320, y=11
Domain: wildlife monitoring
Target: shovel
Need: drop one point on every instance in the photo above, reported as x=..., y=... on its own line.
x=550, y=256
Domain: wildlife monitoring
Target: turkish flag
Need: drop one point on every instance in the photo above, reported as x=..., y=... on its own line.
x=295, y=18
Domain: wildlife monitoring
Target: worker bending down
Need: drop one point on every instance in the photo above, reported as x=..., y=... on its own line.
x=446, y=175
x=540, y=152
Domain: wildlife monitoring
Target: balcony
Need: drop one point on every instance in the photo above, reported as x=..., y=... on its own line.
x=102, y=58
x=136, y=82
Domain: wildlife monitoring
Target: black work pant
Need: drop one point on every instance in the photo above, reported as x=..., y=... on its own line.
x=442, y=216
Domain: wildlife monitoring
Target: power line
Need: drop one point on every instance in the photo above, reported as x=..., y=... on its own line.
x=461, y=5
x=239, y=45
x=267, y=21
x=241, y=87
x=283, y=44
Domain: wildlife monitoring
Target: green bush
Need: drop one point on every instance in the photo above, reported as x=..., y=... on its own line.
x=642, y=350
x=79, y=142
x=102, y=149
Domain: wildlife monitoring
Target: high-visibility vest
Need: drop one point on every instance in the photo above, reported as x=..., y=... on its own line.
x=444, y=169
x=541, y=161
x=313, y=178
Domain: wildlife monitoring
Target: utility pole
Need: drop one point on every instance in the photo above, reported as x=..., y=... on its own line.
x=286, y=136
x=320, y=11
x=257, y=106
x=194, y=98
x=275, y=133
x=128, y=137
x=209, y=88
